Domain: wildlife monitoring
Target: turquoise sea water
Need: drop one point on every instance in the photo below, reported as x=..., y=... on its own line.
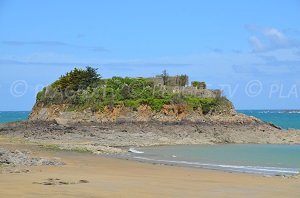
x=247, y=158
x=11, y=116
x=283, y=118
x=260, y=159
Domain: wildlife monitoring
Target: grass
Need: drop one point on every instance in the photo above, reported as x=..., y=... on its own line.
x=79, y=150
x=53, y=147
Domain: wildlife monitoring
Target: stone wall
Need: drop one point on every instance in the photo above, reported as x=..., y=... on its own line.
x=202, y=93
x=174, y=87
x=171, y=80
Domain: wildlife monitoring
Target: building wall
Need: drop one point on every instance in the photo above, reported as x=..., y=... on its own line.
x=173, y=86
x=171, y=80
x=189, y=90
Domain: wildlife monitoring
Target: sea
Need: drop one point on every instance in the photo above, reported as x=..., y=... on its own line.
x=12, y=116
x=265, y=159
x=269, y=159
x=282, y=118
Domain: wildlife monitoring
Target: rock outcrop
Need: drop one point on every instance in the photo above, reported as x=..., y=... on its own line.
x=24, y=158
x=169, y=113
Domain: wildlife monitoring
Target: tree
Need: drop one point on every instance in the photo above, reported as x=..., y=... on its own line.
x=165, y=77
x=77, y=79
x=91, y=74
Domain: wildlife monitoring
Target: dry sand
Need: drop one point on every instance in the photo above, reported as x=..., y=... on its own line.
x=108, y=177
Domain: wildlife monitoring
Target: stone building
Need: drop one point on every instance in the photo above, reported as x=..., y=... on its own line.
x=180, y=80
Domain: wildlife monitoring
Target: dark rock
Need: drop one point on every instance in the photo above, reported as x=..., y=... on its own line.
x=83, y=181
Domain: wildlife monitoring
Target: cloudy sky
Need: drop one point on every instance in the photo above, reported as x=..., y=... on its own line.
x=250, y=49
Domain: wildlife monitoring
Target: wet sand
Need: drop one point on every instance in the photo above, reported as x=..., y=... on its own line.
x=87, y=175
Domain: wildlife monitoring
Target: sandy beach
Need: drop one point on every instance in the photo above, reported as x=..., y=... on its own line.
x=88, y=175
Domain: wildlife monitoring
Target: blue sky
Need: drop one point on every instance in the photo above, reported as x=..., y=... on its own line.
x=250, y=49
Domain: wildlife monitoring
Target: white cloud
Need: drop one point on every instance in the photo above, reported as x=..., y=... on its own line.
x=256, y=43
x=276, y=35
x=15, y=43
x=269, y=39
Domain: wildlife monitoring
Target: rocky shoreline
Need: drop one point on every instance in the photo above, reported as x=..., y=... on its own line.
x=117, y=137
x=16, y=161
x=24, y=158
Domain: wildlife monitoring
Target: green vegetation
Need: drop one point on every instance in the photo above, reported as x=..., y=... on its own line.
x=41, y=94
x=53, y=147
x=77, y=79
x=199, y=85
x=83, y=88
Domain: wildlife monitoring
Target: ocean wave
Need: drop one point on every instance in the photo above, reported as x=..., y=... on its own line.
x=229, y=168
x=133, y=150
x=269, y=111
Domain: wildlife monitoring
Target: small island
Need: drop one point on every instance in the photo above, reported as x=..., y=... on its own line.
x=82, y=95
x=84, y=112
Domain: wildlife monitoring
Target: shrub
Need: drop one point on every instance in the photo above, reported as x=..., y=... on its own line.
x=207, y=104
x=199, y=85
x=77, y=79
x=157, y=104
x=222, y=105
x=40, y=95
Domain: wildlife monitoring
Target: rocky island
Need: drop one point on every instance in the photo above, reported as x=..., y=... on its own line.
x=82, y=111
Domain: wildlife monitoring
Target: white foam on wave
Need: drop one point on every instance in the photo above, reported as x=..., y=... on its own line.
x=276, y=112
x=132, y=150
x=233, y=168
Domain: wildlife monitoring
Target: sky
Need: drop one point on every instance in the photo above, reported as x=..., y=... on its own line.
x=248, y=48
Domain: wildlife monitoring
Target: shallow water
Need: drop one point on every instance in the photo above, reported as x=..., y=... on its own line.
x=248, y=158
